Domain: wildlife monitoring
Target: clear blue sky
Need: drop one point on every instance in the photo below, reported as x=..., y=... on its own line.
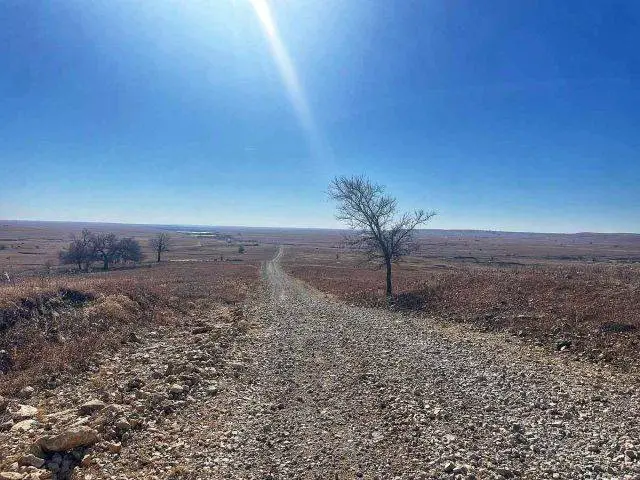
x=499, y=114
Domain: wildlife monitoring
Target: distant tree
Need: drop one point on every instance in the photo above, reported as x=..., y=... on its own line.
x=160, y=243
x=80, y=251
x=107, y=248
x=87, y=245
x=130, y=250
x=74, y=254
x=241, y=249
x=382, y=235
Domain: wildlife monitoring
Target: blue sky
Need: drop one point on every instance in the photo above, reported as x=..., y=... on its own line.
x=506, y=115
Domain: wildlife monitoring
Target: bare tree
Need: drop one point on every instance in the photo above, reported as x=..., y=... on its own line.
x=73, y=254
x=130, y=250
x=107, y=248
x=160, y=243
x=80, y=251
x=382, y=234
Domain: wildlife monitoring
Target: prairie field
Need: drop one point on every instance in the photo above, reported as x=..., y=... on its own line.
x=271, y=353
x=581, y=291
x=32, y=248
x=52, y=318
x=551, y=289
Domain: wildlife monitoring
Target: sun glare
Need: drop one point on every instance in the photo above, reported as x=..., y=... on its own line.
x=288, y=73
x=263, y=12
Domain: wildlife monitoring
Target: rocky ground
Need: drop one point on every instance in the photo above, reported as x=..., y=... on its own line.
x=300, y=386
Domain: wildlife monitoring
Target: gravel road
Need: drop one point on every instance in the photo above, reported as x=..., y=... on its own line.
x=298, y=385
x=335, y=391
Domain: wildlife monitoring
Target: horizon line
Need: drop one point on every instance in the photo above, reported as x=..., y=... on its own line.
x=470, y=230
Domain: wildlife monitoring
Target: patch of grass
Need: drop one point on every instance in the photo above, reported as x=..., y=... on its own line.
x=54, y=324
x=597, y=306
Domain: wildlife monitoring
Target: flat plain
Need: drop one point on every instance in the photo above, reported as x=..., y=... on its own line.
x=501, y=355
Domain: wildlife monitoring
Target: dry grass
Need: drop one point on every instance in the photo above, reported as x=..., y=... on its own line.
x=51, y=325
x=596, y=306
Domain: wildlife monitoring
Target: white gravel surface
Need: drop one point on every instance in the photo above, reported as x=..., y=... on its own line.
x=344, y=392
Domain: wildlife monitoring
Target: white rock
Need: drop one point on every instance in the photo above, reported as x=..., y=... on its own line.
x=23, y=411
x=68, y=439
x=176, y=389
x=26, y=392
x=11, y=476
x=24, y=425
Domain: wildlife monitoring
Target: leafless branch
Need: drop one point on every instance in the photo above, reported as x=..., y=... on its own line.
x=367, y=209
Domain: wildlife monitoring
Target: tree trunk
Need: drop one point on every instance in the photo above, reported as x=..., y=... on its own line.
x=105, y=261
x=389, y=286
x=158, y=256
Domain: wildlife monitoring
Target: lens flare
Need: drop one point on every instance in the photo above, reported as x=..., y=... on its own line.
x=289, y=75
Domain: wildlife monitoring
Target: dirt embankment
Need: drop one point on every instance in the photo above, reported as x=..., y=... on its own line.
x=52, y=326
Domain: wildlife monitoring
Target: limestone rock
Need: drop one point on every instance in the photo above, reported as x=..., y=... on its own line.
x=91, y=406
x=176, y=389
x=123, y=425
x=26, y=392
x=11, y=476
x=24, y=425
x=68, y=439
x=114, y=447
x=23, y=412
x=31, y=460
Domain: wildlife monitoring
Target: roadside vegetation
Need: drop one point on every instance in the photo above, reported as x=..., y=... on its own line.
x=589, y=310
x=52, y=325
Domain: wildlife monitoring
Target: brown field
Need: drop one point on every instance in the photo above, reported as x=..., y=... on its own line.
x=52, y=319
x=32, y=248
x=549, y=288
